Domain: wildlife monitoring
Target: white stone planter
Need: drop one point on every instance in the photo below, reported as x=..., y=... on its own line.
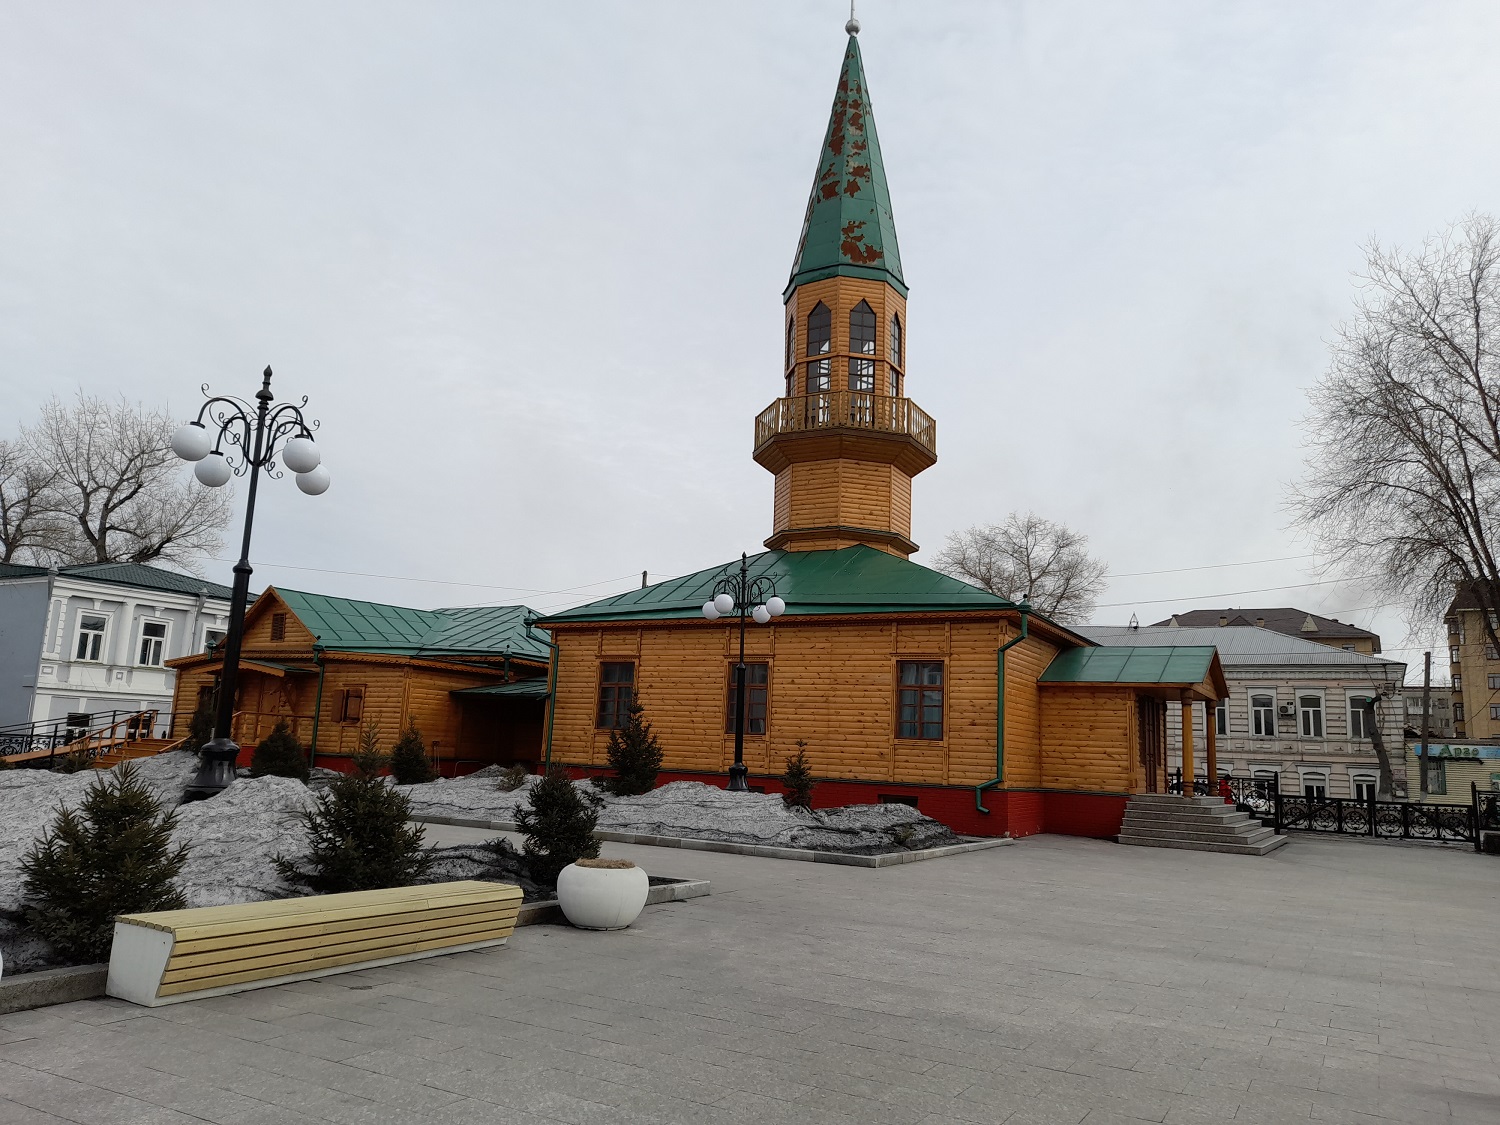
x=602, y=894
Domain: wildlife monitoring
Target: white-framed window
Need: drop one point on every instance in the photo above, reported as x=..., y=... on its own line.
x=152, y=649
x=1458, y=681
x=1458, y=712
x=1315, y=785
x=1359, y=719
x=1495, y=710
x=1310, y=715
x=1221, y=717
x=1453, y=654
x=1263, y=714
x=89, y=644
x=1364, y=785
x=213, y=636
x=1494, y=682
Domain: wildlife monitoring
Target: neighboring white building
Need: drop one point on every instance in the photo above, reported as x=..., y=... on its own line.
x=1293, y=708
x=95, y=637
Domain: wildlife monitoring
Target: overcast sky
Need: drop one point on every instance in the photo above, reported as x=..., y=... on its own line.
x=526, y=261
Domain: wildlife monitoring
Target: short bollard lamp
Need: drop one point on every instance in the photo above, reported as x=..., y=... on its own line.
x=232, y=438
x=756, y=599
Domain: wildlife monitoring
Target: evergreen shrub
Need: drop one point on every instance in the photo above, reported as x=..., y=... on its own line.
x=280, y=755
x=798, y=779
x=111, y=855
x=511, y=778
x=634, y=753
x=359, y=838
x=558, y=822
x=409, y=764
x=200, y=729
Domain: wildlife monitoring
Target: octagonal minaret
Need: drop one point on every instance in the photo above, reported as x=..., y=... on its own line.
x=844, y=440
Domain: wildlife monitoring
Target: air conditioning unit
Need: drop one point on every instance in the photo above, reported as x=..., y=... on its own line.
x=1287, y=710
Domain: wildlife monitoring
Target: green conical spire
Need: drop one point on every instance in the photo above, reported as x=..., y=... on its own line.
x=848, y=229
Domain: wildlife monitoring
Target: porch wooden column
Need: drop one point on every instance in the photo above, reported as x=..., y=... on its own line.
x=1187, y=745
x=1211, y=745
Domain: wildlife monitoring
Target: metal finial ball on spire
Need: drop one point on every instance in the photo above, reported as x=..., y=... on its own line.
x=852, y=27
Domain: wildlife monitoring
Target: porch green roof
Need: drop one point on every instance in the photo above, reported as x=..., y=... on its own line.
x=848, y=229
x=350, y=625
x=1181, y=664
x=856, y=579
x=520, y=689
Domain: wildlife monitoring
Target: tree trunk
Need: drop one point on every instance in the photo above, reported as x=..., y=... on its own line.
x=1387, y=778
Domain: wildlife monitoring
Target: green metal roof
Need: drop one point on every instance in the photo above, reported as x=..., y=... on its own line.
x=856, y=579
x=1180, y=664
x=521, y=689
x=349, y=625
x=128, y=574
x=848, y=229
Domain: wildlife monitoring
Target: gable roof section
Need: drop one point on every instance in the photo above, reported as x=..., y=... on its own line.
x=848, y=229
x=1183, y=665
x=1284, y=619
x=351, y=625
x=855, y=579
x=128, y=574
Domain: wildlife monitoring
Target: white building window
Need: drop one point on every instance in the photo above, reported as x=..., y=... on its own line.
x=1458, y=681
x=153, y=641
x=1359, y=719
x=1315, y=785
x=213, y=638
x=1221, y=717
x=1263, y=716
x=1495, y=710
x=90, y=643
x=1494, y=683
x=1363, y=786
x=1310, y=715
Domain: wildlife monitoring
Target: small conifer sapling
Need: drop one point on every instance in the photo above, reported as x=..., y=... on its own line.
x=634, y=753
x=558, y=820
x=280, y=755
x=798, y=781
x=111, y=855
x=409, y=764
x=359, y=838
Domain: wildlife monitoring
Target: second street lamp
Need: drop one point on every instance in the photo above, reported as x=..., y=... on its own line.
x=755, y=598
x=261, y=436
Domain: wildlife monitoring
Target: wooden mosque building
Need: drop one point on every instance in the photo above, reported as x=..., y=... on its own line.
x=903, y=683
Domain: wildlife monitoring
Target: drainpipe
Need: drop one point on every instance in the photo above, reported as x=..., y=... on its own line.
x=1025, y=608
x=312, y=749
x=551, y=689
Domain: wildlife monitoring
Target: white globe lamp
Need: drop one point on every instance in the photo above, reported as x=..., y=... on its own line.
x=711, y=611
x=213, y=470
x=315, y=482
x=760, y=614
x=301, y=455
x=775, y=606
x=724, y=603
x=191, y=442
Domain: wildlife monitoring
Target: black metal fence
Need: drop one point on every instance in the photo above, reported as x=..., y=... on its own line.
x=1257, y=794
x=1382, y=820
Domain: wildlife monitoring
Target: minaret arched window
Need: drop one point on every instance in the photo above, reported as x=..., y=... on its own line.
x=897, y=363
x=862, y=364
x=790, y=363
x=819, y=343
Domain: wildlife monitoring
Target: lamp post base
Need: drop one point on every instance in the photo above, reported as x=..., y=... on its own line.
x=216, y=773
x=737, y=774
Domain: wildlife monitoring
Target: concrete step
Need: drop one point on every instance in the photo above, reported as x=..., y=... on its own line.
x=1136, y=817
x=1188, y=815
x=1262, y=848
x=1171, y=799
x=1252, y=835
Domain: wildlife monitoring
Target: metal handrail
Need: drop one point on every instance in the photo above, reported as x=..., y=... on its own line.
x=860, y=410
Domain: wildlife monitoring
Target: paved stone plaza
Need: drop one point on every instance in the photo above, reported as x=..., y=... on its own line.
x=1059, y=980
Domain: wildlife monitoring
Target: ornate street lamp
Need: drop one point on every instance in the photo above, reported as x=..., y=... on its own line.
x=257, y=431
x=756, y=599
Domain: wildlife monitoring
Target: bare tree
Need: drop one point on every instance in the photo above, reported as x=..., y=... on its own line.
x=105, y=486
x=1028, y=556
x=1403, y=479
x=29, y=530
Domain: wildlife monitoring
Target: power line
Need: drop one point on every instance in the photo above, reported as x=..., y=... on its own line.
x=1210, y=566
x=1233, y=593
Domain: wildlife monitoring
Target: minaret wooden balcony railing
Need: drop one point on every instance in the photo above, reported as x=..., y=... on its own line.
x=846, y=410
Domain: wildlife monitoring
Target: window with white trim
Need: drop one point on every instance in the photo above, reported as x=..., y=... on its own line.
x=90, y=643
x=1310, y=716
x=1221, y=717
x=1359, y=718
x=153, y=643
x=213, y=638
x=1315, y=785
x=1458, y=681
x=1363, y=786
x=1263, y=716
x=1494, y=682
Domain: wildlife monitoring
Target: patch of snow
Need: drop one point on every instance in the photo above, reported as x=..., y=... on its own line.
x=233, y=838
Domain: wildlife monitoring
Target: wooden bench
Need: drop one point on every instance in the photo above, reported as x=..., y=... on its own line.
x=176, y=955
